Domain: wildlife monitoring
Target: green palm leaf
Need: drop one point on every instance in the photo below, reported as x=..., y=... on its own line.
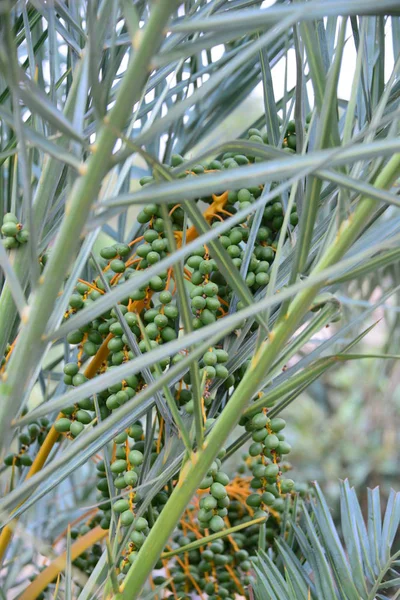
x=350, y=560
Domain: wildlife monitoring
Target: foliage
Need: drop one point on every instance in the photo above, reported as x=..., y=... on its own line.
x=158, y=300
x=314, y=562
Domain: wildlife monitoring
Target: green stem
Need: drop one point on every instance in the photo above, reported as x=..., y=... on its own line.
x=305, y=376
x=30, y=346
x=199, y=462
x=261, y=537
x=214, y=536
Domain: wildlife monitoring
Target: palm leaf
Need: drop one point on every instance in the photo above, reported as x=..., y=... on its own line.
x=340, y=556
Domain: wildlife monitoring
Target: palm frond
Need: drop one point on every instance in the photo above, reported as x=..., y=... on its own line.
x=352, y=560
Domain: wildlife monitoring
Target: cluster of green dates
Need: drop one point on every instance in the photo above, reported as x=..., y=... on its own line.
x=125, y=470
x=213, y=364
x=204, y=268
x=151, y=317
x=267, y=451
x=212, y=368
x=209, y=569
x=14, y=233
x=222, y=568
x=74, y=418
x=88, y=559
x=288, y=132
x=214, y=505
x=29, y=439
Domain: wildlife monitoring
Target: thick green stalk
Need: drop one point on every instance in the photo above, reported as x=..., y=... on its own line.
x=199, y=462
x=30, y=346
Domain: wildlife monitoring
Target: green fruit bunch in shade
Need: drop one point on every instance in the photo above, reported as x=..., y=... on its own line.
x=30, y=439
x=219, y=569
x=288, y=132
x=14, y=233
x=74, y=418
x=210, y=570
x=88, y=559
x=139, y=530
x=222, y=568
